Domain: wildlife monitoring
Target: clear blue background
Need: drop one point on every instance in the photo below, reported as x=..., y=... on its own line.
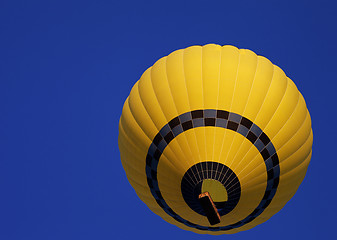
x=67, y=67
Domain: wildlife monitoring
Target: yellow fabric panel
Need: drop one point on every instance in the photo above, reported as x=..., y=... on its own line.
x=162, y=90
x=230, y=57
x=296, y=141
x=275, y=93
x=293, y=123
x=137, y=156
x=244, y=80
x=215, y=189
x=132, y=129
x=211, y=57
x=192, y=63
x=284, y=110
x=176, y=81
x=261, y=84
x=290, y=159
x=140, y=114
x=150, y=101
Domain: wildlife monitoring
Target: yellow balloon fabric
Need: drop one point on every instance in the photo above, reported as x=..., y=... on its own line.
x=220, y=119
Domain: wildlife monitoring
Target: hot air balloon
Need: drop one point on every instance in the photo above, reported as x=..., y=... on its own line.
x=215, y=139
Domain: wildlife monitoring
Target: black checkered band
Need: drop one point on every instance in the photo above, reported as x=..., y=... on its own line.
x=191, y=185
x=213, y=118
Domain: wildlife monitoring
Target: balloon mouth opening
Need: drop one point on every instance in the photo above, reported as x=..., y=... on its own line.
x=215, y=189
x=213, y=197
x=218, y=180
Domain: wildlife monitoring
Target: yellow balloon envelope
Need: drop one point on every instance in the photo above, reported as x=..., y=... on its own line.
x=220, y=120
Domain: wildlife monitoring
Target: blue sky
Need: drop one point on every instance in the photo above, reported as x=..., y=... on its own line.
x=66, y=69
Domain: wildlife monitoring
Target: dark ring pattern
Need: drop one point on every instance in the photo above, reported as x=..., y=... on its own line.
x=213, y=118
